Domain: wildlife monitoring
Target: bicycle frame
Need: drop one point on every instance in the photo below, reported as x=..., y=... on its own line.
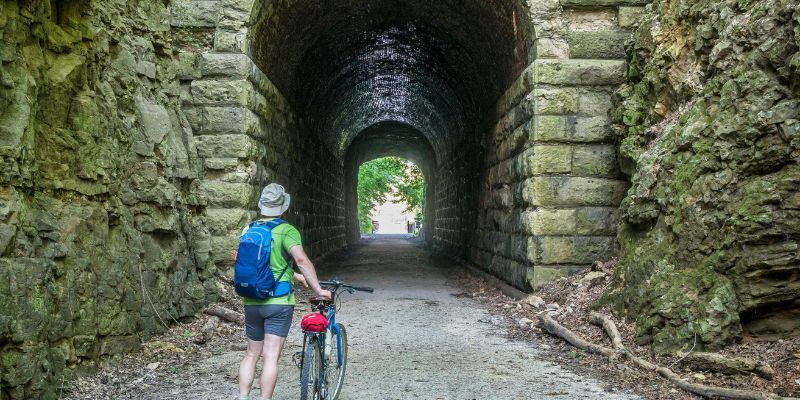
x=328, y=309
x=330, y=314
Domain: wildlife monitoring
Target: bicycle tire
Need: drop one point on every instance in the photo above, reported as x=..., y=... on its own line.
x=312, y=359
x=333, y=364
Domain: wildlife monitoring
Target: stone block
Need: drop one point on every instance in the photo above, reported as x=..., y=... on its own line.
x=593, y=221
x=553, y=101
x=551, y=47
x=595, y=160
x=234, y=65
x=604, y=44
x=579, y=72
x=215, y=92
x=215, y=164
x=188, y=66
x=236, y=13
x=573, y=191
x=229, y=120
x=575, y=250
x=550, y=159
x=230, y=41
x=553, y=128
x=514, y=94
x=628, y=16
x=195, y=13
x=227, y=146
x=592, y=19
x=594, y=103
x=539, y=275
x=549, y=221
x=590, y=129
x=557, y=250
x=228, y=195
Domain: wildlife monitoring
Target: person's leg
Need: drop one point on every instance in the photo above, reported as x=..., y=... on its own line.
x=276, y=328
x=269, y=373
x=254, y=329
x=247, y=369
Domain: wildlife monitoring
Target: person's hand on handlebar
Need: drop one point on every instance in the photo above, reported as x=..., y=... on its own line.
x=322, y=295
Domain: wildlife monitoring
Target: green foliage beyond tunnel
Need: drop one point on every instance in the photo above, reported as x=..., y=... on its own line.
x=379, y=177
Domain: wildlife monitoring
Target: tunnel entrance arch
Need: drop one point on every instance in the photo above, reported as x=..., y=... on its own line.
x=511, y=97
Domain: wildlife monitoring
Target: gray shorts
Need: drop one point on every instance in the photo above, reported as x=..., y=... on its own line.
x=271, y=319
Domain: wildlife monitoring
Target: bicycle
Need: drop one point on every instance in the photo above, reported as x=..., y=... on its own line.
x=316, y=370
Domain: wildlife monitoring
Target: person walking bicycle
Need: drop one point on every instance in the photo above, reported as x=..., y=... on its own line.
x=268, y=312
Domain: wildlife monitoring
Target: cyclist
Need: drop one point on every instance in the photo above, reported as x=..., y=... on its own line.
x=268, y=321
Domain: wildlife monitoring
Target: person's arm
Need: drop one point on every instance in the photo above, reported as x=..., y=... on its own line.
x=308, y=271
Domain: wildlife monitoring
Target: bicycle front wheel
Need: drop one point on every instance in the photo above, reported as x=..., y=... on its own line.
x=310, y=370
x=337, y=362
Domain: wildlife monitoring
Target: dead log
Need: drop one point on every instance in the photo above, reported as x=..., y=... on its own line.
x=208, y=330
x=226, y=314
x=727, y=365
x=610, y=328
x=556, y=329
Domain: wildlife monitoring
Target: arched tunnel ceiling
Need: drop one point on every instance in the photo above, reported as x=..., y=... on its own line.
x=392, y=139
x=346, y=65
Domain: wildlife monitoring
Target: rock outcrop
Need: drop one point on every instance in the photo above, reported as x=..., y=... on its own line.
x=710, y=136
x=101, y=236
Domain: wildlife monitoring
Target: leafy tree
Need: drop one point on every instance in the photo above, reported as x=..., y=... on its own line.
x=379, y=177
x=411, y=187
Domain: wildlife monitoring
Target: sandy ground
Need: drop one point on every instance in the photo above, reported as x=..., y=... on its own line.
x=411, y=339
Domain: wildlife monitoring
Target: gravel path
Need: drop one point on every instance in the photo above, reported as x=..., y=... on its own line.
x=411, y=339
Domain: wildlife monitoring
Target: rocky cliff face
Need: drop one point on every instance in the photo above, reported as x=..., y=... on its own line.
x=100, y=236
x=710, y=136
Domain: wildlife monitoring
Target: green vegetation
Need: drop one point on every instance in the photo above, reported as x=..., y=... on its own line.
x=379, y=177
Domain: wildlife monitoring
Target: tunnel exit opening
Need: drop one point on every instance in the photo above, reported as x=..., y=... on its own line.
x=391, y=196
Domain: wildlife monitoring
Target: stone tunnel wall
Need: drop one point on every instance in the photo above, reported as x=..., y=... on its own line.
x=248, y=135
x=551, y=183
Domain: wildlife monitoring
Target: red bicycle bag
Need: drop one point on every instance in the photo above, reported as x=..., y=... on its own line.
x=314, y=322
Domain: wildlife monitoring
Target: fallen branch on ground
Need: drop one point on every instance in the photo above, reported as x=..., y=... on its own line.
x=208, y=330
x=728, y=365
x=610, y=328
x=226, y=314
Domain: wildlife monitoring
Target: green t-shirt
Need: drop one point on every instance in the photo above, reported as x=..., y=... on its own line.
x=284, y=236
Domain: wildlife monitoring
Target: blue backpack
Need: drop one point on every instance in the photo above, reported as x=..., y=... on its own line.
x=252, y=274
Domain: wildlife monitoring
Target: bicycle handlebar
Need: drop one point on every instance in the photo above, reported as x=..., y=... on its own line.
x=338, y=284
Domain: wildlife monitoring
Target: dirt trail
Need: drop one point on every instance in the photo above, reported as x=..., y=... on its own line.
x=411, y=339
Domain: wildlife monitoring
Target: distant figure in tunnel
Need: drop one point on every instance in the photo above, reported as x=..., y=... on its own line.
x=268, y=321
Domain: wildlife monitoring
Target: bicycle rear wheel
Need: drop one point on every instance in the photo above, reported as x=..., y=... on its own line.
x=334, y=370
x=309, y=372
